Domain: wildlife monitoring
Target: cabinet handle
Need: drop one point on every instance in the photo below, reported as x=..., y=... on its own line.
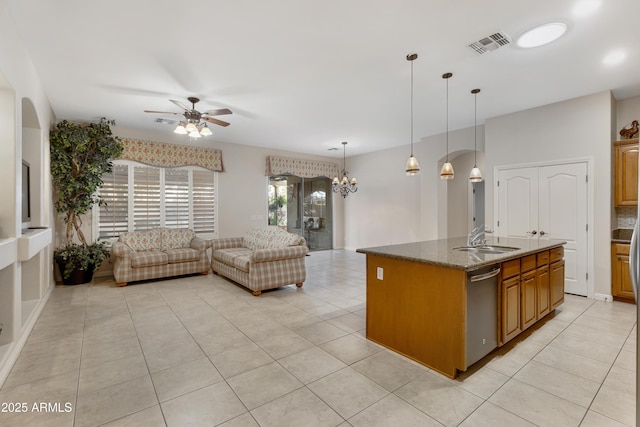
x=542, y=233
x=532, y=233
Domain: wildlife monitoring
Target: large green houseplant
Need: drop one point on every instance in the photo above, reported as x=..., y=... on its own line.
x=80, y=155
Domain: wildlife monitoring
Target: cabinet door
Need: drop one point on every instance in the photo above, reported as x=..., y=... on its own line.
x=510, y=308
x=625, y=289
x=528, y=292
x=626, y=174
x=556, y=283
x=542, y=285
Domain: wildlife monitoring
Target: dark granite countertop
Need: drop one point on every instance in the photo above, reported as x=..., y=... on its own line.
x=621, y=235
x=442, y=253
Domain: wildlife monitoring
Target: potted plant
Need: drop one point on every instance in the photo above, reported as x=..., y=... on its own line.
x=80, y=155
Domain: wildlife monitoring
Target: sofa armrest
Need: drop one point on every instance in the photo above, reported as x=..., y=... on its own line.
x=228, y=242
x=120, y=249
x=262, y=255
x=200, y=244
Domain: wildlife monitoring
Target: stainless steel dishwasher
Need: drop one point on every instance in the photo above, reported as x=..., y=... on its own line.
x=482, y=313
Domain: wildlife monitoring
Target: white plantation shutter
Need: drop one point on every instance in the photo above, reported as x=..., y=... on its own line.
x=114, y=212
x=203, y=201
x=176, y=198
x=140, y=197
x=146, y=198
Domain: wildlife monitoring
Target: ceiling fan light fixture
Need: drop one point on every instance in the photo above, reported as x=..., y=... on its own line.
x=190, y=127
x=195, y=134
x=180, y=130
x=205, y=131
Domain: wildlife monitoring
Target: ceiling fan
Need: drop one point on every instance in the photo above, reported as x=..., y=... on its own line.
x=193, y=117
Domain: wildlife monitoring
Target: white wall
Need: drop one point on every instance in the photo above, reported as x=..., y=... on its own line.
x=577, y=128
x=242, y=187
x=627, y=110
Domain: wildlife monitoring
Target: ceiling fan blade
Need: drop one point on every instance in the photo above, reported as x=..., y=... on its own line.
x=162, y=112
x=219, y=112
x=180, y=104
x=215, y=121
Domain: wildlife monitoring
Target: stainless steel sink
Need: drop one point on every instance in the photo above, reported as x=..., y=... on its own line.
x=486, y=249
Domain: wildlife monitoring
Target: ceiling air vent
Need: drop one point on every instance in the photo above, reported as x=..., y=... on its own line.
x=167, y=121
x=490, y=43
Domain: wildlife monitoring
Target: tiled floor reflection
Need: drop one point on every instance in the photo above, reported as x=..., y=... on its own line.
x=202, y=351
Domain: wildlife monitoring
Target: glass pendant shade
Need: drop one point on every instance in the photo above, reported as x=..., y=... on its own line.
x=475, y=175
x=195, y=134
x=205, y=131
x=413, y=167
x=447, y=171
x=190, y=127
x=180, y=130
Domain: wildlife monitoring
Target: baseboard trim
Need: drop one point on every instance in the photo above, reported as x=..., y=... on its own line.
x=6, y=364
x=603, y=297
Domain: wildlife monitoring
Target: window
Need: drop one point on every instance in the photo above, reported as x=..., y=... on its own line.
x=139, y=197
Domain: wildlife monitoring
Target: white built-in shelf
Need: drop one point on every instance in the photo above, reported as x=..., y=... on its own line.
x=32, y=242
x=8, y=252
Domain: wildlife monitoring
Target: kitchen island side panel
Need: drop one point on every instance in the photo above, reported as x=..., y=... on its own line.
x=418, y=310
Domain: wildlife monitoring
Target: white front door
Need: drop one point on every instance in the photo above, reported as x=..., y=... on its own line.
x=548, y=202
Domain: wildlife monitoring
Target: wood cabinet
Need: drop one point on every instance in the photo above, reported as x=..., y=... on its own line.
x=621, y=287
x=626, y=172
x=531, y=287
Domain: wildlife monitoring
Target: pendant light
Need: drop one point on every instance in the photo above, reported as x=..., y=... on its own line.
x=447, y=169
x=475, y=175
x=345, y=185
x=413, y=167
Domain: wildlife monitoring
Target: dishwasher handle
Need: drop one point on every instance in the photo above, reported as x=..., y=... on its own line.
x=489, y=275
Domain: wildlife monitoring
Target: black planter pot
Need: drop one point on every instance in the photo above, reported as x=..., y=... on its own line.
x=77, y=277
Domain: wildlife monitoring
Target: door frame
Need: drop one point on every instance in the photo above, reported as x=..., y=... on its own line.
x=590, y=210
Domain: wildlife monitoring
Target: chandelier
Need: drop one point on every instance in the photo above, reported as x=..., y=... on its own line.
x=344, y=185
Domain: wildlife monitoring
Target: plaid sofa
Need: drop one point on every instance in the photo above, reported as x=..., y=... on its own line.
x=161, y=252
x=264, y=258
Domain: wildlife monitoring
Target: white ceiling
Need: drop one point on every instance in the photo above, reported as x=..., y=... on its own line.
x=306, y=75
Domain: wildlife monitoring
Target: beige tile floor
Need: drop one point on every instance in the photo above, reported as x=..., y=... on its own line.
x=202, y=351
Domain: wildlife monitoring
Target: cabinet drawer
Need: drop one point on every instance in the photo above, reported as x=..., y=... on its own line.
x=528, y=263
x=556, y=254
x=542, y=258
x=510, y=268
x=622, y=249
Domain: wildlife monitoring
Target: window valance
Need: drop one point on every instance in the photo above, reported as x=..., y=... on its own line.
x=166, y=155
x=300, y=167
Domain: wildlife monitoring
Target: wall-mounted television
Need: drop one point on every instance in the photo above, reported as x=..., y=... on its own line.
x=26, y=192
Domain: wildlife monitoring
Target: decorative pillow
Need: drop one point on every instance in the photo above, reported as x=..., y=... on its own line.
x=140, y=241
x=271, y=237
x=177, y=238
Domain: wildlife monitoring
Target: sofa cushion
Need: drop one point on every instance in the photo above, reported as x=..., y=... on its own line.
x=139, y=241
x=182, y=255
x=271, y=237
x=236, y=257
x=176, y=238
x=148, y=259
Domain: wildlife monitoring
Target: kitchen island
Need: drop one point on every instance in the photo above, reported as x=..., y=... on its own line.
x=446, y=307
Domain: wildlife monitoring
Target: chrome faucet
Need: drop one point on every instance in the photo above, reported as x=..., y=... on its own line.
x=476, y=237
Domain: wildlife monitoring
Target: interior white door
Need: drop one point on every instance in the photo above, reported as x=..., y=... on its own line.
x=562, y=213
x=548, y=202
x=518, y=203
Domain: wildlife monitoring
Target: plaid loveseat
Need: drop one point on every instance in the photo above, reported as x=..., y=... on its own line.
x=161, y=252
x=264, y=258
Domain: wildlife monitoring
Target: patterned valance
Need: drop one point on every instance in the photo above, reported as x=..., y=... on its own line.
x=161, y=154
x=300, y=167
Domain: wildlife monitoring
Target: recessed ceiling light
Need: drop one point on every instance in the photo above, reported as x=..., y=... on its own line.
x=614, y=58
x=586, y=7
x=541, y=35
